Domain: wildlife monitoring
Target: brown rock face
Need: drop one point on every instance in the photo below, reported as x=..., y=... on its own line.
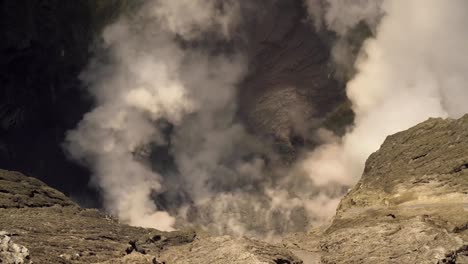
x=290, y=85
x=411, y=204
x=18, y=191
x=53, y=229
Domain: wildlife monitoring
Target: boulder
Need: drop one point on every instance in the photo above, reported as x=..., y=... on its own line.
x=12, y=253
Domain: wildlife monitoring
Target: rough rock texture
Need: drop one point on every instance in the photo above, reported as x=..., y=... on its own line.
x=12, y=253
x=55, y=230
x=290, y=84
x=220, y=250
x=17, y=191
x=305, y=245
x=411, y=204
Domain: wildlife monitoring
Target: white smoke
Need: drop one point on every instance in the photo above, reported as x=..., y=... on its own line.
x=141, y=83
x=163, y=65
x=189, y=18
x=341, y=16
x=351, y=21
x=413, y=69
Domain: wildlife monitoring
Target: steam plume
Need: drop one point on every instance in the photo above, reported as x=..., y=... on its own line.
x=342, y=16
x=165, y=67
x=413, y=69
x=352, y=21
x=166, y=83
x=141, y=83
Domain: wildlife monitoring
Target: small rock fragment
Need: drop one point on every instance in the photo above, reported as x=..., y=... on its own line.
x=12, y=253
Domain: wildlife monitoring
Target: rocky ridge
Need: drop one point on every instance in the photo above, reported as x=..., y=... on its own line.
x=410, y=206
x=55, y=230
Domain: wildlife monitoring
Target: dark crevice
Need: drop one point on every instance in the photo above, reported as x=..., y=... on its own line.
x=461, y=228
x=282, y=261
x=460, y=168
x=33, y=193
x=452, y=257
x=420, y=156
x=4, y=191
x=131, y=248
x=392, y=216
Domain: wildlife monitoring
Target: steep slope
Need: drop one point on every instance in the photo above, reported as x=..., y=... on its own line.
x=290, y=86
x=411, y=204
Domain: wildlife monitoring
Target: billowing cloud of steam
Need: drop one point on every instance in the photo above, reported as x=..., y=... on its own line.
x=165, y=83
x=413, y=69
x=142, y=84
x=341, y=16
x=352, y=21
x=160, y=85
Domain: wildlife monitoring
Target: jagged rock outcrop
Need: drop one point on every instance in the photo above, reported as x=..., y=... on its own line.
x=12, y=253
x=17, y=191
x=55, y=230
x=411, y=204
